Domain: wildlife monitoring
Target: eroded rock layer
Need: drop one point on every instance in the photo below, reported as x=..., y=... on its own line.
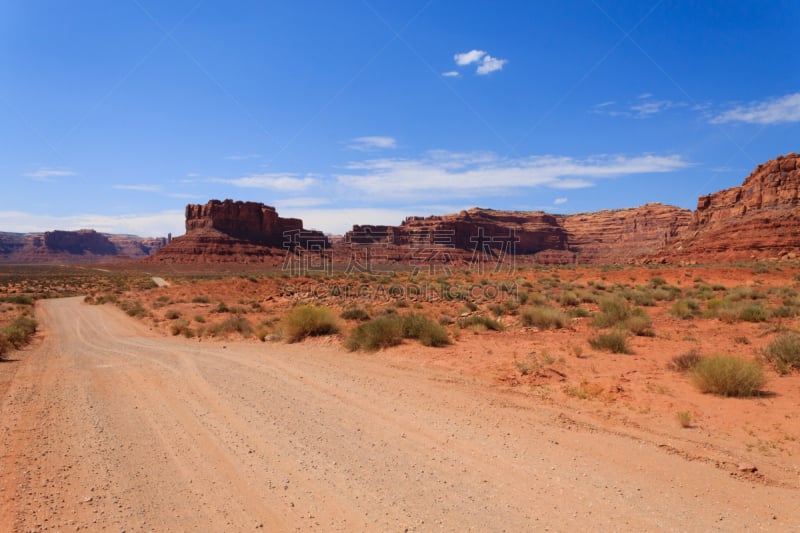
x=758, y=220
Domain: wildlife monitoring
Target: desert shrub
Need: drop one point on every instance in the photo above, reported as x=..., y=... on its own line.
x=578, y=312
x=613, y=310
x=376, y=334
x=685, y=362
x=310, y=320
x=479, y=321
x=201, y=300
x=5, y=346
x=422, y=328
x=657, y=281
x=106, y=298
x=744, y=293
x=19, y=299
x=355, y=313
x=784, y=352
x=133, y=308
x=543, y=317
x=496, y=309
x=232, y=324
x=640, y=325
x=642, y=297
x=181, y=327
x=17, y=334
x=783, y=312
x=728, y=376
x=614, y=342
x=685, y=309
x=200, y=319
x=753, y=312
x=570, y=298
x=172, y=314
x=684, y=418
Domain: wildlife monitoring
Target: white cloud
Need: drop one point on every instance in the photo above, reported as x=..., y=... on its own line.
x=183, y=195
x=145, y=225
x=140, y=188
x=467, y=58
x=302, y=201
x=451, y=74
x=374, y=142
x=278, y=182
x=560, y=201
x=643, y=107
x=490, y=64
x=775, y=111
x=45, y=174
x=341, y=220
x=242, y=157
x=473, y=175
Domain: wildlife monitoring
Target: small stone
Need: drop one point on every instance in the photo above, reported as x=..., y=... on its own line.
x=745, y=467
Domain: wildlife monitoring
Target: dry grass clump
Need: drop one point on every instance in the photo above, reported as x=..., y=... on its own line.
x=355, y=313
x=614, y=342
x=478, y=322
x=784, y=352
x=685, y=362
x=543, y=317
x=309, y=321
x=231, y=324
x=613, y=310
x=377, y=334
x=725, y=375
x=390, y=330
x=16, y=335
x=685, y=309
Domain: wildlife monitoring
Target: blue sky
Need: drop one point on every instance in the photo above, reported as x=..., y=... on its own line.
x=115, y=115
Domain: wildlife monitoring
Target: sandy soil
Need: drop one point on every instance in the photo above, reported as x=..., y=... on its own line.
x=106, y=426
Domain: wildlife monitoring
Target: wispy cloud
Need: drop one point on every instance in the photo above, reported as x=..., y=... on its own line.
x=451, y=74
x=643, y=107
x=774, y=111
x=278, y=182
x=473, y=175
x=146, y=224
x=140, y=188
x=242, y=157
x=560, y=201
x=374, y=142
x=47, y=174
x=486, y=64
x=303, y=201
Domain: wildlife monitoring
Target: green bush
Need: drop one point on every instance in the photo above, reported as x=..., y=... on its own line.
x=17, y=334
x=728, y=376
x=310, y=320
x=640, y=325
x=685, y=309
x=381, y=332
x=232, y=324
x=422, y=328
x=570, y=299
x=355, y=313
x=543, y=317
x=784, y=352
x=19, y=299
x=615, y=342
x=753, y=312
x=613, y=310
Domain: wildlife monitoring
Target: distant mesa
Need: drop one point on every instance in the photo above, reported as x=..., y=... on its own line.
x=79, y=246
x=758, y=220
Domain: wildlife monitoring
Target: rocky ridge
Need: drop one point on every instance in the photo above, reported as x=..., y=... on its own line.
x=74, y=247
x=758, y=220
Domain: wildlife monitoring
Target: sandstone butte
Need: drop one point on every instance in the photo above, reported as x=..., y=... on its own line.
x=757, y=220
x=236, y=232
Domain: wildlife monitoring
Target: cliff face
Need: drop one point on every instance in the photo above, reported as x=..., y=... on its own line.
x=79, y=242
x=617, y=236
x=228, y=231
x=759, y=219
x=623, y=235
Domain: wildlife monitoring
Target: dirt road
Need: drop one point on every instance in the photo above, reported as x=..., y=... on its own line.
x=106, y=427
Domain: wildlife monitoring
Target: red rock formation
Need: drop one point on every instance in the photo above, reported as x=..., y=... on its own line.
x=74, y=247
x=759, y=219
x=623, y=235
x=241, y=232
x=617, y=236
